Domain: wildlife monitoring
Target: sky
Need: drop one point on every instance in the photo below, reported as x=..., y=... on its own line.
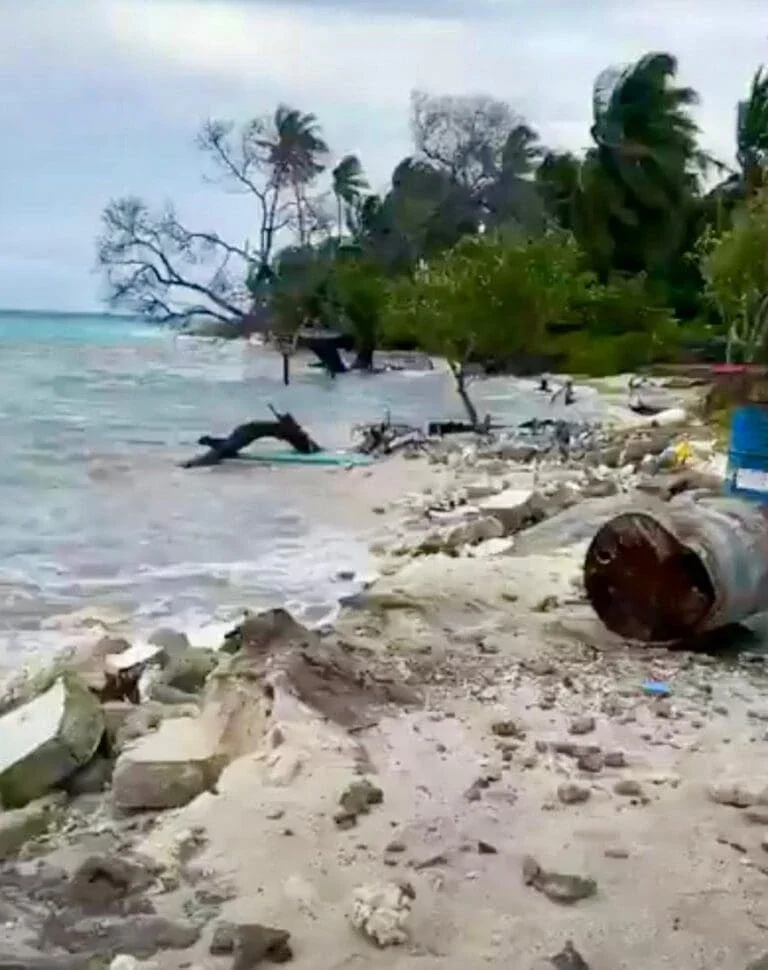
x=102, y=98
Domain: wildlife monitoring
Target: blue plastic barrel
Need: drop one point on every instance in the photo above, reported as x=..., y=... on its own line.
x=748, y=454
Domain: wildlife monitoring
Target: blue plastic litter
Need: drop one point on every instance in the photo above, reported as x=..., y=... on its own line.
x=656, y=688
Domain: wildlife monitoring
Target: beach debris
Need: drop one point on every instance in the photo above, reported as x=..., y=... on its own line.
x=559, y=887
x=387, y=437
x=381, y=911
x=19, y=826
x=168, y=768
x=357, y=799
x=656, y=688
x=47, y=739
x=666, y=574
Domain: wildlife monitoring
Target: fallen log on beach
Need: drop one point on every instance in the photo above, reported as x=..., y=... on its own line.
x=285, y=428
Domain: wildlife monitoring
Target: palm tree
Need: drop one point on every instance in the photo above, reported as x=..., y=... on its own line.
x=296, y=151
x=511, y=195
x=751, y=145
x=643, y=171
x=349, y=184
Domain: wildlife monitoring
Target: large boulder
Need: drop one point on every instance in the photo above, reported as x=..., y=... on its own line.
x=45, y=740
x=168, y=768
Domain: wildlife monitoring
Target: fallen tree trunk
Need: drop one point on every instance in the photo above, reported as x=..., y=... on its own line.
x=284, y=428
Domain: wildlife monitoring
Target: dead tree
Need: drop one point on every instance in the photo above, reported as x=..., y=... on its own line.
x=284, y=428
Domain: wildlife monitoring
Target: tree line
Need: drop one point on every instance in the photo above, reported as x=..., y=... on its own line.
x=487, y=245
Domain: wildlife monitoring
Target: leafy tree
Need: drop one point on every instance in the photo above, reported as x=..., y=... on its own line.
x=359, y=294
x=485, y=299
x=735, y=268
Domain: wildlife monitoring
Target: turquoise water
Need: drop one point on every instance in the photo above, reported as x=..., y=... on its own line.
x=96, y=515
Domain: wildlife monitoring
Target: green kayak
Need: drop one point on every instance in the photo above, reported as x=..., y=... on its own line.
x=290, y=457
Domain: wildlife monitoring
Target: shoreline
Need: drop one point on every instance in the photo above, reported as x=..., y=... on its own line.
x=463, y=771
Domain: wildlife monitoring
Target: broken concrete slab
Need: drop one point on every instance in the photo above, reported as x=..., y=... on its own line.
x=511, y=507
x=45, y=740
x=20, y=825
x=168, y=768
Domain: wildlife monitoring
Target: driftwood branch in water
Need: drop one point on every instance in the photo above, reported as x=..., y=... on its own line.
x=284, y=428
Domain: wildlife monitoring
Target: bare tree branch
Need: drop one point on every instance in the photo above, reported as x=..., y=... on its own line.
x=154, y=265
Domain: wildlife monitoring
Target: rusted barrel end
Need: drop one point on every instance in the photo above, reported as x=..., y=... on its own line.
x=643, y=583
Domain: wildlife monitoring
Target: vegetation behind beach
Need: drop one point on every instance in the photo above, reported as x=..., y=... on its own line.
x=487, y=246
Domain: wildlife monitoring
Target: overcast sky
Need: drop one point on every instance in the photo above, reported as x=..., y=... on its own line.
x=103, y=97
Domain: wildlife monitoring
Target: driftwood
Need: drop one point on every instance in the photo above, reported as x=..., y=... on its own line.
x=284, y=428
x=385, y=438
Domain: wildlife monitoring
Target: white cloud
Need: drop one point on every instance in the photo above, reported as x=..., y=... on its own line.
x=107, y=93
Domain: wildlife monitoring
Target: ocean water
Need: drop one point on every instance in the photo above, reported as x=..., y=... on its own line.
x=95, y=515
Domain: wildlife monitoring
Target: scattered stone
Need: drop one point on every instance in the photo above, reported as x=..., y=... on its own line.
x=485, y=848
x=615, y=759
x=356, y=799
x=547, y=604
x=559, y=887
x=569, y=959
x=737, y=794
x=508, y=729
x=166, y=769
x=529, y=760
x=103, y=883
x=571, y=793
x=582, y=725
x=616, y=852
x=380, y=912
x=396, y=845
x=592, y=762
x=47, y=739
x=628, y=788
x=253, y=944
x=19, y=826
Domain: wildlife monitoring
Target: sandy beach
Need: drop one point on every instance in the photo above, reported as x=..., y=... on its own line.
x=464, y=771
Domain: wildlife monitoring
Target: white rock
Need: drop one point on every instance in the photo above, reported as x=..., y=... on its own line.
x=509, y=506
x=381, y=911
x=167, y=769
x=46, y=740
